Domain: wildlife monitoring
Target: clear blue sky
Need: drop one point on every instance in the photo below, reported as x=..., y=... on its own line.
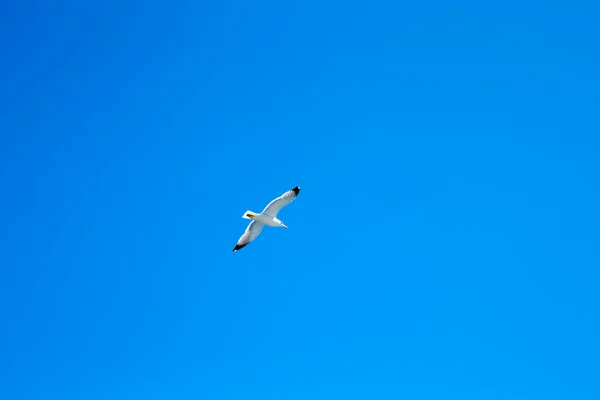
x=445, y=244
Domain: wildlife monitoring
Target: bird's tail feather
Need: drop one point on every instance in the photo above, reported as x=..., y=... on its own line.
x=249, y=215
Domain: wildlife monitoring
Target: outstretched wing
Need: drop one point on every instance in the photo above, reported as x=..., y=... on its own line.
x=274, y=206
x=249, y=235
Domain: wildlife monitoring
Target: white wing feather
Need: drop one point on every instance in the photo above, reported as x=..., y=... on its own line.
x=252, y=231
x=277, y=204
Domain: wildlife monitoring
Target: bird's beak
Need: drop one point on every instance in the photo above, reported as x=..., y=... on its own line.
x=285, y=226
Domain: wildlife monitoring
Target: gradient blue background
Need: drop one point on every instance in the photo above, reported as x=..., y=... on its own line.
x=445, y=244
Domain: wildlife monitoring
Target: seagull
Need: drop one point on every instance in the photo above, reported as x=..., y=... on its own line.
x=268, y=217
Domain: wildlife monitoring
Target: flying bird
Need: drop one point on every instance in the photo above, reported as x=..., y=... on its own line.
x=268, y=217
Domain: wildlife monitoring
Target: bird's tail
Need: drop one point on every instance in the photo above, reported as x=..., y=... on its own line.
x=249, y=215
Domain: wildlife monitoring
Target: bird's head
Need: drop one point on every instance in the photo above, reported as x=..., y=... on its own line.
x=281, y=224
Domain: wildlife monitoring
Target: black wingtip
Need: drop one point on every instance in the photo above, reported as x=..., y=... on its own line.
x=237, y=246
x=296, y=190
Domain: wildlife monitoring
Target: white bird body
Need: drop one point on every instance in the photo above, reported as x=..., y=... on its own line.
x=268, y=220
x=267, y=217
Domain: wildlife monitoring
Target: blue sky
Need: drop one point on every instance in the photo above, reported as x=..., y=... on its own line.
x=444, y=244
